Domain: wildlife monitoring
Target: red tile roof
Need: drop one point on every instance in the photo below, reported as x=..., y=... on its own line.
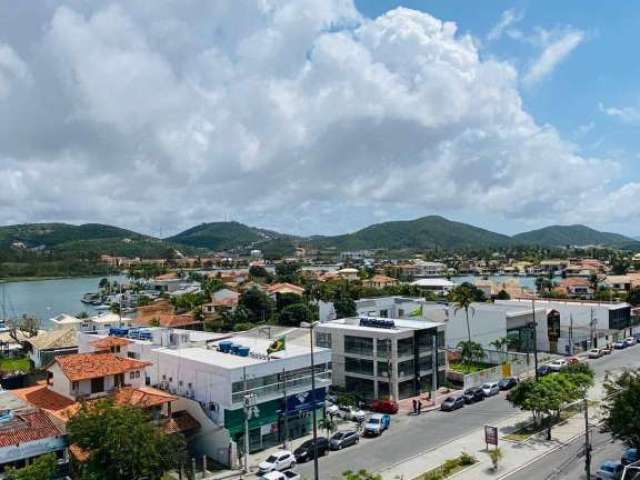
x=27, y=427
x=84, y=366
x=42, y=397
x=144, y=397
x=181, y=422
x=285, y=287
x=108, y=342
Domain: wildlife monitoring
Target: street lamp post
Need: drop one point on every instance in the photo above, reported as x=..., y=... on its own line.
x=311, y=326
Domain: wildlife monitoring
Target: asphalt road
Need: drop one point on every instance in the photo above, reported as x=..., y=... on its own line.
x=409, y=436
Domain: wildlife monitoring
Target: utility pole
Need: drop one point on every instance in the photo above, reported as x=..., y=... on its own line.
x=247, y=412
x=313, y=408
x=434, y=367
x=285, y=421
x=571, y=334
x=587, y=441
x=534, y=326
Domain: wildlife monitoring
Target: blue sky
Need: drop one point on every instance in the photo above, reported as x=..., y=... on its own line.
x=320, y=116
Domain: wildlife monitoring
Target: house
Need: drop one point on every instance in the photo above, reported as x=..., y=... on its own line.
x=97, y=322
x=440, y=286
x=45, y=346
x=27, y=432
x=553, y=265
x=91, y=375
x=281, y=288
x=348, y=274
x=428, y=269
x=224, y=299
x=575, y=287
x=379, y=281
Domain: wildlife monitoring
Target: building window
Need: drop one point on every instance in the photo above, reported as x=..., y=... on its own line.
x=384, y=347
x=97, y=385
x=358, y=365
x=137, y=373
x=440, y=339
x=75, y=386
x=384, y=313
x=361, y=387
x=406, y=368
x=133, y=355
x=406, y=389
x=425, y=341
x=405, y=347
x=323, y=339
x=383, y=390
x=425, y=364
x=401, y=312
x=383, y=369
x=442, y=359
x=358, y=345
x=131, y=375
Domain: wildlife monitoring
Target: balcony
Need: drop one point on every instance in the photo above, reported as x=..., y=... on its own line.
x=275, y=390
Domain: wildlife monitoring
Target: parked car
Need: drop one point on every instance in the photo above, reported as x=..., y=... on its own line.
x=490, y=388
x=630, y=341
x=286, y=475
x=377, y=423
x=306, y=451
x=609, y=470
x=452, y=403
x=630, y=455
x=619, y=345
x=595, y=353
x=507, y=383
x=557, y=364
x=544, y=370
x=277, y=461
x=384, y=406
x=343, y=439
x=573, y=360
x=349, y=412
x=473, y=394
x=332, y=409
x=605, y=350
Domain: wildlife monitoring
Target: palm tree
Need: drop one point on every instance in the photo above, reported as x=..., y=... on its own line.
x=462, y=297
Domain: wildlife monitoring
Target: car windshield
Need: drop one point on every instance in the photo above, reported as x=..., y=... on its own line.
x=374, y=420
x=272, y=458
x=449, y=399
x=486, y=385
x=339, y=436
x=608, y=468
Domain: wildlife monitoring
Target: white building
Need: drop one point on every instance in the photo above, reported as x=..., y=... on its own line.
x=584, y=322
x=195, y=366
x=97, y=322
x=429, y=269
x=489, y=322
x=382, y=357
x=390, y=307
x=440, y=286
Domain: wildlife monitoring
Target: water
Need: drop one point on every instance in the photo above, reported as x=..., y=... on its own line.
x=44, y=299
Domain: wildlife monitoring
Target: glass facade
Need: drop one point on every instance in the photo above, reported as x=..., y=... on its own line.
x=383, y=348
x=358, y=345
x=405, y=347
x=323, y=339
x=358, y=365
x=406, y=368
x=359, y=386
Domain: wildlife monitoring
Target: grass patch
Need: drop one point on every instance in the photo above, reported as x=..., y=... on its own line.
x=469, y=367
x=523, y=433
x=12, y=364
x=449, y=467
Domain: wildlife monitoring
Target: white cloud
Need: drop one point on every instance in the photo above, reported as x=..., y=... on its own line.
x=12, y=69
x=555, y=51
x=298, y=115
x=629, y=115
x=508, y=18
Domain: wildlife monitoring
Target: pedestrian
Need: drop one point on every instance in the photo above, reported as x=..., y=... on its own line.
x=415, y=407
x=419, y=407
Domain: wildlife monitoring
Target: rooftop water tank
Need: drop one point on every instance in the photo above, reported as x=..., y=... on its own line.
x=243, y=351
x=225, y=346
x=235, y=347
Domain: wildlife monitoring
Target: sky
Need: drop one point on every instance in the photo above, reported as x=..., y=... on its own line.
x=320, y=116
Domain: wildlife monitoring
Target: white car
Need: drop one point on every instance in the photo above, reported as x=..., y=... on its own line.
x=351, y=413
x=490, y=388
x=557, y=364
x=287, y=475
x=277, y=461
x=595, y=353
x=630, y=341
x=332, y=409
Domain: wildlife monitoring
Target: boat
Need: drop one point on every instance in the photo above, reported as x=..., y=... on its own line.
x=102, y=306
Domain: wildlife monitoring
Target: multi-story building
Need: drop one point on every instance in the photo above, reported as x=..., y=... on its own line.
x=214, y=374
x=391, y=307
x=375, y=357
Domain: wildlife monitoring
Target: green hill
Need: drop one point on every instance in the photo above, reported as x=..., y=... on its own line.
x=575, y=235
x=426, y=232
x=226, y=235
x=79, y=240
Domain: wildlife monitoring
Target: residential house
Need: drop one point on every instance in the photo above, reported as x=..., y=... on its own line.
x=440, y=286
x=224, y=299
x=349, y=274
x=282, y=288
x=379, y=281
x=575, y=287
x=45, y=346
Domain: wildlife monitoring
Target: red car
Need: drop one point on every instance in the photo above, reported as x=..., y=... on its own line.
x=384, y=406
x=573, y=360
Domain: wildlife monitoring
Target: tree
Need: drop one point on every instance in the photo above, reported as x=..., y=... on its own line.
x=258, y=304
x=42, y=468
x=462, y=297
x=621, y=407
x=294, y=314
x=470, y=351
x=345, y=306
x=285, y=299
x=287, y=272
x=503, y=295
x=104, y=284
x=633, y=297
x=256, y=271
x=143, y=300
x=500, y=343
x=122, y=443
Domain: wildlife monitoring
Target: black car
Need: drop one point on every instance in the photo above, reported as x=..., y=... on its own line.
x=507, y=383
x=472, y=395
x=306, y=451
x=452, y=403
x=544, y=370
x=343, y=439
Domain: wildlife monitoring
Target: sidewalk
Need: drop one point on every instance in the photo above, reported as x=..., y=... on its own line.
x=516, y=454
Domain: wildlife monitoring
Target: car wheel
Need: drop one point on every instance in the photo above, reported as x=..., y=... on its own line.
x=340, y=447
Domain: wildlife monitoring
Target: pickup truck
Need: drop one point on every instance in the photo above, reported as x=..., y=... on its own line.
x=377, y=424
x=286, y=475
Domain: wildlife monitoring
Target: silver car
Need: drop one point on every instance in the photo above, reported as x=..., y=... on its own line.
x=343, y=439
